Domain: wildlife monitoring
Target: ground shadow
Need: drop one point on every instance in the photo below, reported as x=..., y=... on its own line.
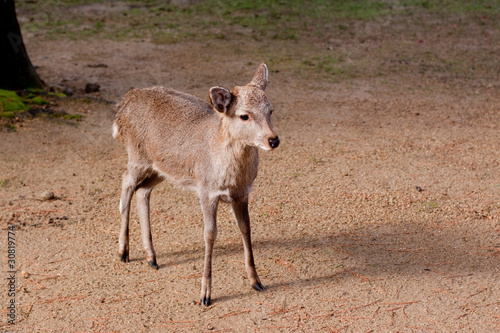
x=395, y=249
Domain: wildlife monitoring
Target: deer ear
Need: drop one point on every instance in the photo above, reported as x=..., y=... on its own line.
x=220, y=98
x=260, y=77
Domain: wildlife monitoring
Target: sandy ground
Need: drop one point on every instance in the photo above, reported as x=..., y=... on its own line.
x=379, y=212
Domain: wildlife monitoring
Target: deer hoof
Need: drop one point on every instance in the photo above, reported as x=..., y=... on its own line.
x=124, y=257
x=153, y=264
x=258, y=286
x=205, y=301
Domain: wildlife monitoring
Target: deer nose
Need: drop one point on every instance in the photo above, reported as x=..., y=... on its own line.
x=274, y=142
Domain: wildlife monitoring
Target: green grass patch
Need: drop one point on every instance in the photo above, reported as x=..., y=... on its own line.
x=457, y=6
x=269, y=11
x=288, y=20
x=364, y=38
x=285, y=20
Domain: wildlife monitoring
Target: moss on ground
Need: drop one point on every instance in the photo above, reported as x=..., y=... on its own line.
x=11, y=102
x=39, y=101
x=29, y=104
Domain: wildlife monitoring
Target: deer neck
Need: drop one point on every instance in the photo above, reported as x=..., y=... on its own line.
x=234, y=153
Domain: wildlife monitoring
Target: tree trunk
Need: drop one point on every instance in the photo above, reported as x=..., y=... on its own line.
x=16, y=70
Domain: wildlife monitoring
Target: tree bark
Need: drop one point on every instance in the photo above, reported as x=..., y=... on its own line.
x=16, y=70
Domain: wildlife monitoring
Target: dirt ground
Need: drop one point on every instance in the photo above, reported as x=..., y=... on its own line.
x=379, y=212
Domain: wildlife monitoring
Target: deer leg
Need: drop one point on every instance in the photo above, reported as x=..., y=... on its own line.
x=240, y=211
x=128, y=188
x=209, y=208
x=143, y=193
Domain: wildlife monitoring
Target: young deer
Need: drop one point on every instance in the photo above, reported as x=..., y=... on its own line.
x=208, y=148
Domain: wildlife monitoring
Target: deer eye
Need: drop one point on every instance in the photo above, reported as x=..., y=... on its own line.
x=244, y=117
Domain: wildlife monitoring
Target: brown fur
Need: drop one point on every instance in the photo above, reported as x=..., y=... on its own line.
x=208, y=148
